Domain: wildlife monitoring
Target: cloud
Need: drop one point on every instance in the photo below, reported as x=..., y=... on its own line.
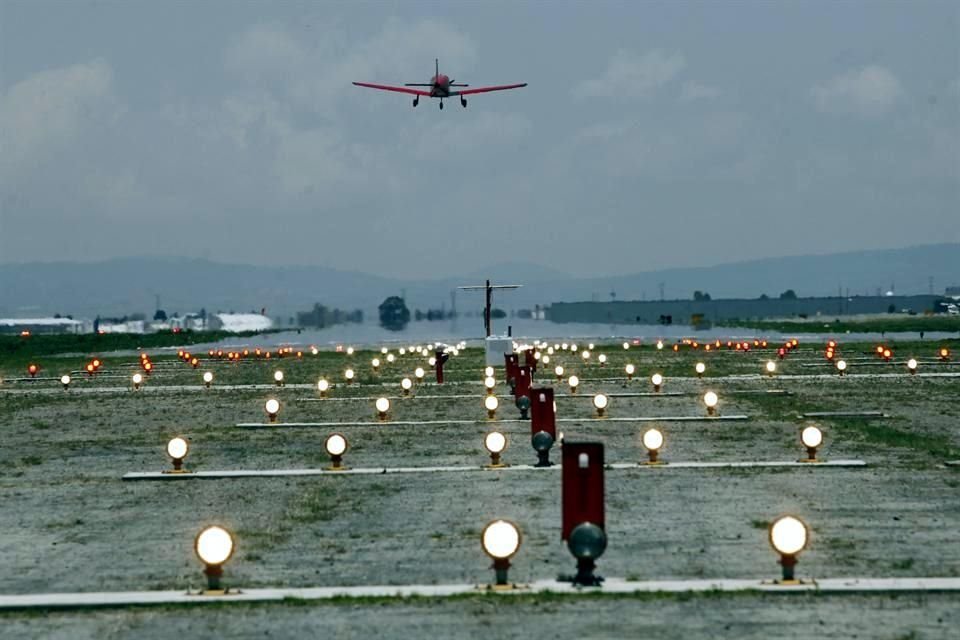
x=51, y=109
x=869, y=91
x=693, y=91
x=632, y=76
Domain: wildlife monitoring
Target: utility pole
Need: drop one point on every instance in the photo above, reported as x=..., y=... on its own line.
x=488, y=288
x=662, y=288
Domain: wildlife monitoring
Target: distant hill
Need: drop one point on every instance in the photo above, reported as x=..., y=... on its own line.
x=127, y=285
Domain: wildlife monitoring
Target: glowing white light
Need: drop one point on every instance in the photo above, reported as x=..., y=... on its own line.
x=335, y=444
x=491, y=403
x=701, y=368
x=214, y=546
x=841, y=365
x=659, y=345
x=65, y=380
x=495, y=442
x=177, y=448
x=137, y=378
x=788, y=535
x=375, y=362
x=574, y=381
x=208, y=377
x=710, y=399
x=590, y=346
x=626, y=345
x=602, y=359
x=348, y=374
x=488, y=372
x=551, y=351
x=418, y=373
x=656, y=379
x=383, y=405
x=600, y=401
x=585, y=354
x=771, y=366
x=406, y=384
x=349, y=351
x=384, y=350
x=500, y=539
x=911, y=364
x=272, y=406
x=322, y=385
x=278, y=376
x=811, y=437
x=630, y=369
x=489, y=383
x=391, y=357
x=653, y=440
x=432, y=361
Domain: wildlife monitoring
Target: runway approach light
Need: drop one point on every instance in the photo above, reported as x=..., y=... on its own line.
x=432, y=361
x=207, y=378
x=375, y=363
x=943, y=354
x=214, y=546
x=278, y=378
x=657, y=381
x=348, y=374
x=391, y=358
x=32, y=370
x=383, y=406
x=336, y=446
x=349, y=351
x=811, y=437
x=323, y=386
x=842, y=367
x=488, y=372
x=559, y=372
x=600, y=402
x=177, y=449
x=500, y=540
x=272, y=407
x=489, y=383
x=574, y=382
x=771, y=368
x=710, y=399
x=65, y=381
x=406, y=384
x=659, y=345
x=630, y=370
x=700, y=368
x=418, y=373
x=602, y=359
x=137, y=381
x=495, y=442
x=545, y=360
x=653, y=441
x=912, y=365
x=788, y=537
x=626, y=346
x=585, y=354
x=491, y=403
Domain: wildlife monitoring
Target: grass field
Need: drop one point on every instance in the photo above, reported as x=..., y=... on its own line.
x=71, y=524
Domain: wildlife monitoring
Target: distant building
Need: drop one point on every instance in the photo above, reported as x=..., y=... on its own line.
x=952, y=292
x=44, y=325
x=123, y=326
x=238, y=322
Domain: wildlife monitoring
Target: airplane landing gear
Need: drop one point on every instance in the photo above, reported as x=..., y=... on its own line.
x=441, y=105
x=416, y=101
x=463, y=102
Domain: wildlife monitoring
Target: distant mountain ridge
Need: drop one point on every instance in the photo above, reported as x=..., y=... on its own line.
x=126, y=285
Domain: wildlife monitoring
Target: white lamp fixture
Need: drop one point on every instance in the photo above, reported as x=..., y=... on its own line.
x=349, y=375
x=272, y=407
x=559, y=372
x=323, y=386
x=710, y=399
x=490, y=384
x=418, y=373
x=336, y=445
x=788, y=537
x=137, y=381
x=630, y=370
x=600, y=402
x=771, y=367
x=214, y=546
x=207, y=378
x=495, y=442
x=700, y=369
x=278, y=378
x=491, y=403
x=383, y=407
x=177, y=449
x=500, y=540
x=811, y=437
x=406, y=384
x=842, y=367
x=657, y=381
x=574, y=382
x=65, y=381
x=653, y=441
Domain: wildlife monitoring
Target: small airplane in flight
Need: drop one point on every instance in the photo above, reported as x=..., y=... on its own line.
x=439, y=87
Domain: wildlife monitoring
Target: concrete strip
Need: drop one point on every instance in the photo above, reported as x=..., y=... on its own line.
x=610, y=586
x=284, y=473
x=845, y=414
x=417, y=423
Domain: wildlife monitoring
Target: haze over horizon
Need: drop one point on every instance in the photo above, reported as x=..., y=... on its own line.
x=652, y=135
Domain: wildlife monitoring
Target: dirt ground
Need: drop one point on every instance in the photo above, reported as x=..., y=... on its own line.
x=69, y=523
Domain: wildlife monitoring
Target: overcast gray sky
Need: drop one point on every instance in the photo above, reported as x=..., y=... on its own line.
x=651, y=135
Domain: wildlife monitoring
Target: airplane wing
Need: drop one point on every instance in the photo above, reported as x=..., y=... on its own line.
x=385, y=87
x=503, y=87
